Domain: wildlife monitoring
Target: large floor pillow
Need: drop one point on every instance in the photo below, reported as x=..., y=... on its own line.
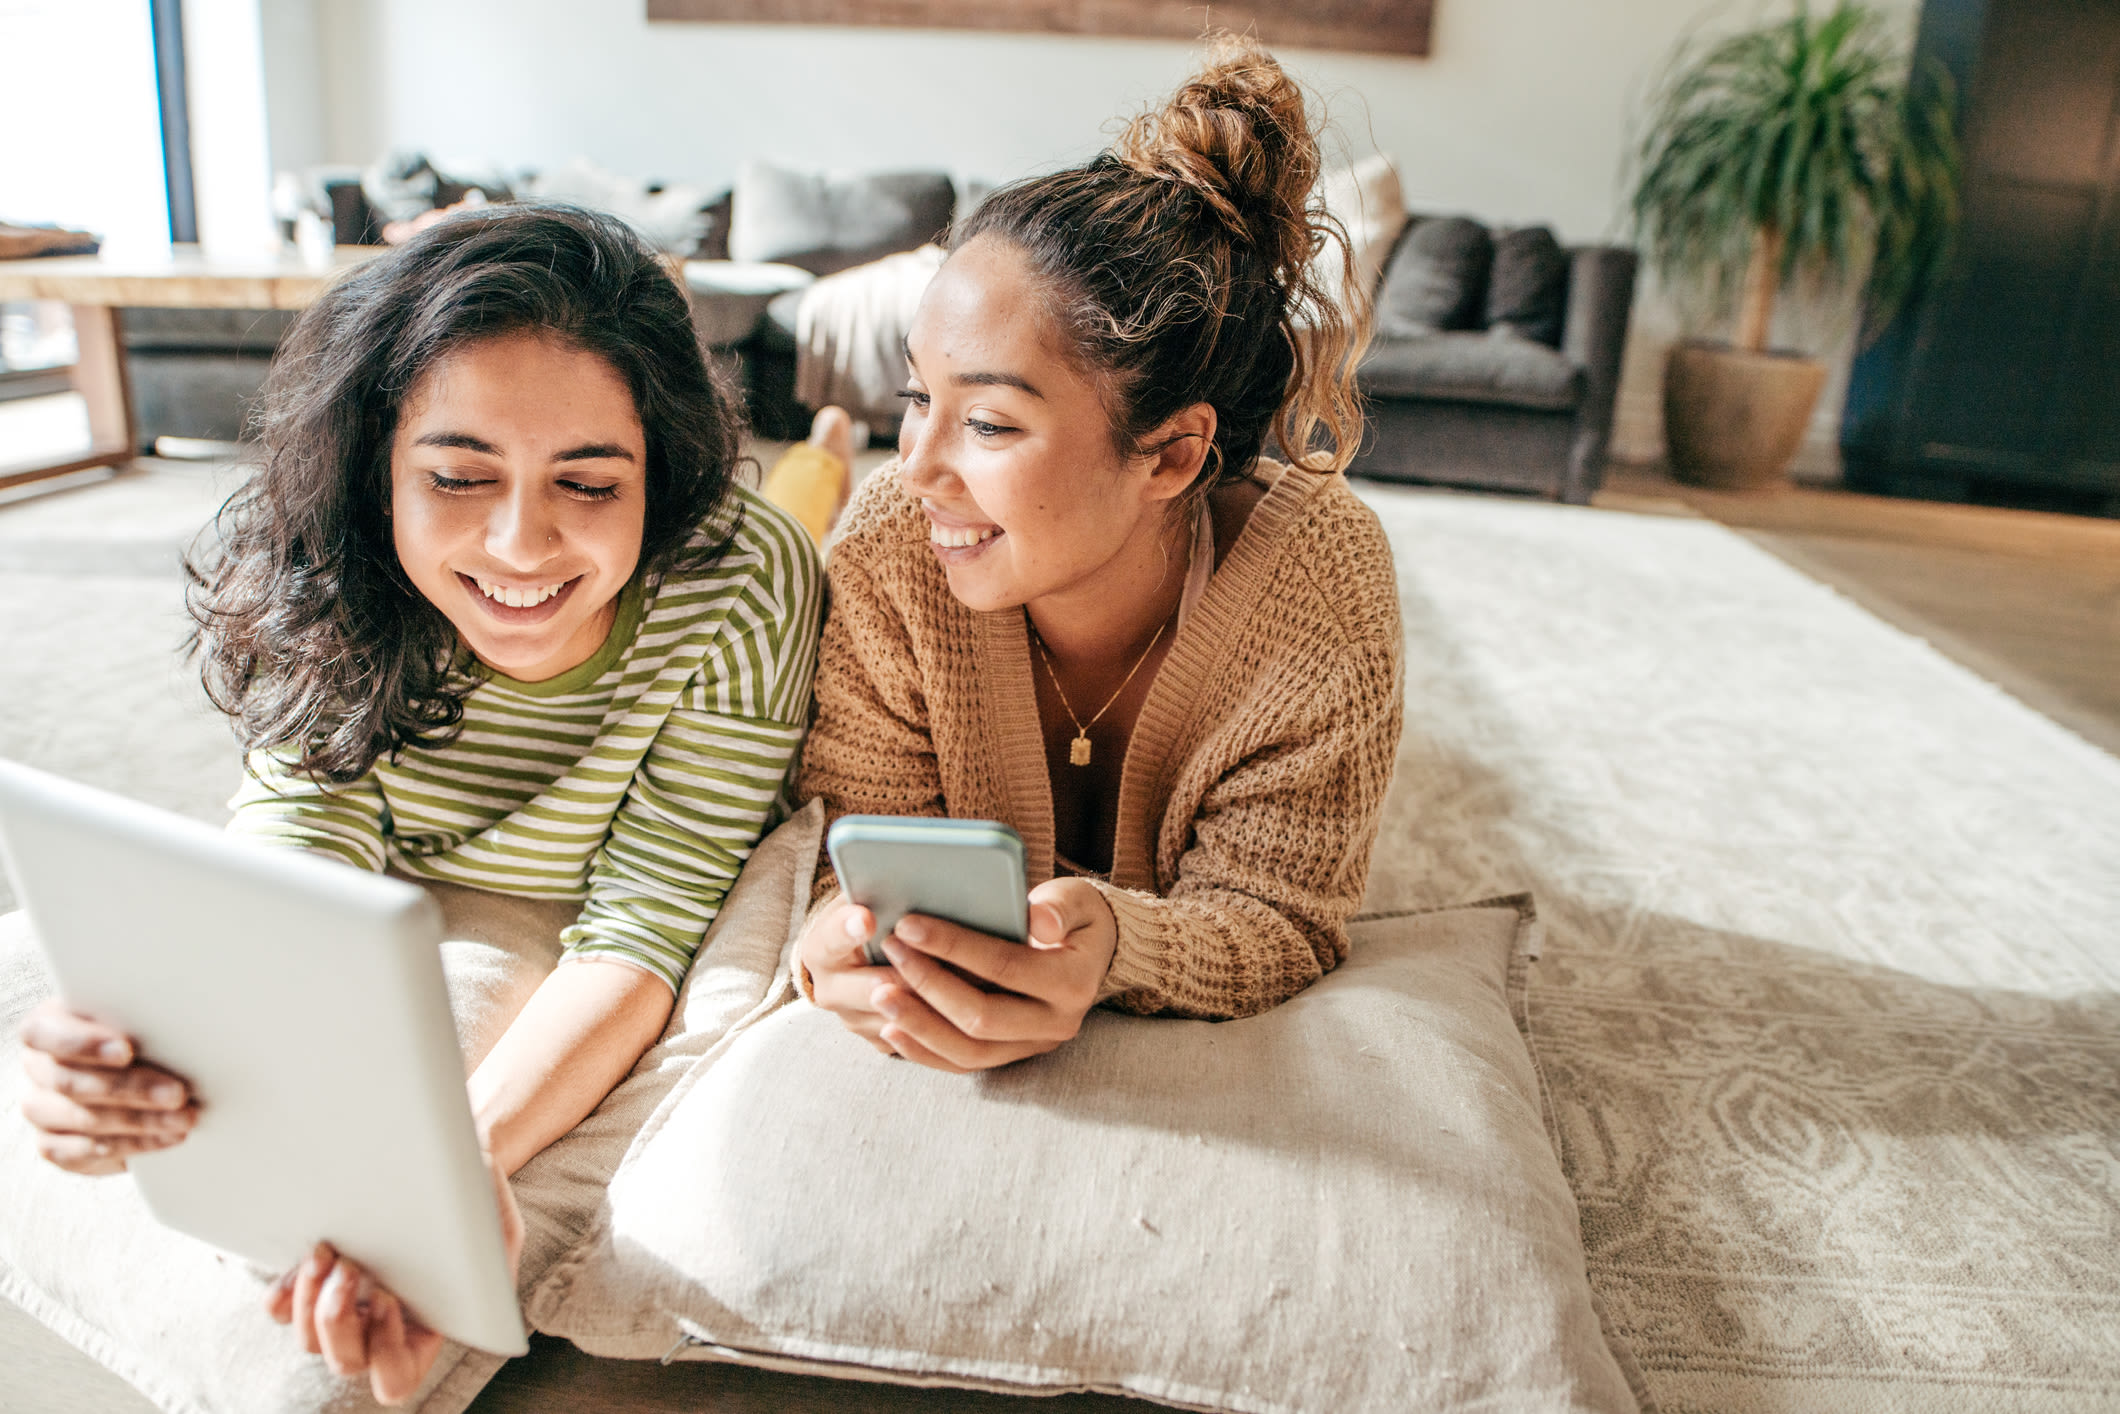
x=184, y=1323
x=1350, y=1203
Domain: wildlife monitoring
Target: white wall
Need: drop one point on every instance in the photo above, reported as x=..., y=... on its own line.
x=294, y=83
x=1524, y=111
x=83, y=132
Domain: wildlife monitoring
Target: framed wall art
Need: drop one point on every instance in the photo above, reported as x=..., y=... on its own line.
x=1368, y=26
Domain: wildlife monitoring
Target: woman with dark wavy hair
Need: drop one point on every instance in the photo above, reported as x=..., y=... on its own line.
x=491, y=613
x=1085, y=603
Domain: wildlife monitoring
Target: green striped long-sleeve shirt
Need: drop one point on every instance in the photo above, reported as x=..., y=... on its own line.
x=637, y=782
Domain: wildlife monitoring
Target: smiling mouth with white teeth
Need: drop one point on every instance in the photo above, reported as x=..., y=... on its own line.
x=519, y=598
x=958, y=539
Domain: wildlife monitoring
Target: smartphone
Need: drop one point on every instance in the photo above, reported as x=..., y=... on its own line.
x=966, y=871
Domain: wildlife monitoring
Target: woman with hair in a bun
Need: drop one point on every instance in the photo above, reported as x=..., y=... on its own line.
x=1084, y=602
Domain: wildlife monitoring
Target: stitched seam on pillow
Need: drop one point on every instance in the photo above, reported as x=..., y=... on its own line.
x=91, y=1340
x=1526, y=909
x=101, y=1346
x=921, y=1369
x=447, y=1395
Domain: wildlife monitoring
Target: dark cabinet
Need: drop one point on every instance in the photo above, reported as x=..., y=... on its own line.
x=2004, y=382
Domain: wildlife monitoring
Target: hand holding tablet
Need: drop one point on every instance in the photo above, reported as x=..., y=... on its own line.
x=93, y=1102
x=342, y=1313
x=298, y=1008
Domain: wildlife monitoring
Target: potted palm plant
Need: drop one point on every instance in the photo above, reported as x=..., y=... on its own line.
x=1795, y=153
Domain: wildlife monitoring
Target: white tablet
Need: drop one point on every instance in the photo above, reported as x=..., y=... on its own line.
x=304, y=1001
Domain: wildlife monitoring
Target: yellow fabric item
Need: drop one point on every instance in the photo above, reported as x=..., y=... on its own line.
x=810, y=484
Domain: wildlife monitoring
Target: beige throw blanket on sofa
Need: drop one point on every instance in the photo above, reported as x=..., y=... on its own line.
x=850, y=333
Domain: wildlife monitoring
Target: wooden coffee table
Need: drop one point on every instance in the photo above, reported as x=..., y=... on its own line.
x=96, y=288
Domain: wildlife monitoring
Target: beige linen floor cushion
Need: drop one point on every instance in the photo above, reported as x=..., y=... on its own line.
x=184, y=1324
x=1347, y=1204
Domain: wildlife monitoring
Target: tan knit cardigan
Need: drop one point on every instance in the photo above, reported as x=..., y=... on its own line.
x=1249, y=799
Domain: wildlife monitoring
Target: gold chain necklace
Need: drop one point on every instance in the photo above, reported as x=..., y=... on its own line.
x=1078, y=750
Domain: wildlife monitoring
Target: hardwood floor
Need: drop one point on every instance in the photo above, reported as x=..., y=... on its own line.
x=2029, y=600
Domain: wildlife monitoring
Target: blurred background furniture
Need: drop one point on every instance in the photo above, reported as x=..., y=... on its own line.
x=826, y=226
x=1497, y=360
x=2002, y=383
x=747, y=254
x=220, y=352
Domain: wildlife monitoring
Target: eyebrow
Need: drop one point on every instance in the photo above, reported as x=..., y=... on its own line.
x=464, y=441
x=595, y=451
x=978, y=380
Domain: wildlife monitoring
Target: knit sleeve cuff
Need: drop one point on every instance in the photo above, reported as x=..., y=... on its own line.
x=1137, y=962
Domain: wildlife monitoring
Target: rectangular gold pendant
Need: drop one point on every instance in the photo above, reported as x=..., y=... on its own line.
x=1078, y=751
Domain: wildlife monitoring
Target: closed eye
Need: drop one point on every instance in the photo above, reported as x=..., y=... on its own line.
x=590, y=493
x=988, y=430
x=455, y=485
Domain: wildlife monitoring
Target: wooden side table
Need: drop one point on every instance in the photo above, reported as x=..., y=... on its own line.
x=96, y=287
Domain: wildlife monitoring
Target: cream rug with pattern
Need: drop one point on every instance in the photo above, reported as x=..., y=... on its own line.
x=1830, y=1002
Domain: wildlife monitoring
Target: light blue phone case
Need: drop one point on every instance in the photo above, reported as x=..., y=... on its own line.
x=966, y=871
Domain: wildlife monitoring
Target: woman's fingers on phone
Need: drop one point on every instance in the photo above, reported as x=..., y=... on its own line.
x=1071, y=912
x=943, y=1047
x=976, y=1014
x=855, y=926
x=901, y=1044
x=1049, y=924
x=939, y=1041
x=847, y=993
x=1027, y=971
x=59, y=1031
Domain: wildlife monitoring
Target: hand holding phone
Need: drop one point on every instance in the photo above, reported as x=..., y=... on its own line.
x=968, y=872
x=956, y=995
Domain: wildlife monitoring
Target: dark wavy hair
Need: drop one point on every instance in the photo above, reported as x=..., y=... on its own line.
x=1179, y=265
x=309, y=633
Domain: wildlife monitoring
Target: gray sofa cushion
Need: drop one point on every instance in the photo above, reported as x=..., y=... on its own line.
x=1496, y=367
x=729, y=295
x=824, y=224
x=776, y=332
x=256, y=332
x=1437, y=278
x=1527, y=289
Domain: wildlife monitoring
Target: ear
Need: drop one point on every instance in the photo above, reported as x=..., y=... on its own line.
x=1185, y=439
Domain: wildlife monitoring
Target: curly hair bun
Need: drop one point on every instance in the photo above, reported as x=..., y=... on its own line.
x=1179, y=264
x=1238, y=134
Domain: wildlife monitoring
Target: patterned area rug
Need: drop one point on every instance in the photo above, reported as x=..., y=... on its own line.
x=1830, y=1003
x=1829, y=1009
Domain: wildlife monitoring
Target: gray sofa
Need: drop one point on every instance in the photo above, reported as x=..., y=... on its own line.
x=819, y=224
x=196, y=372
x=1506, y=386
